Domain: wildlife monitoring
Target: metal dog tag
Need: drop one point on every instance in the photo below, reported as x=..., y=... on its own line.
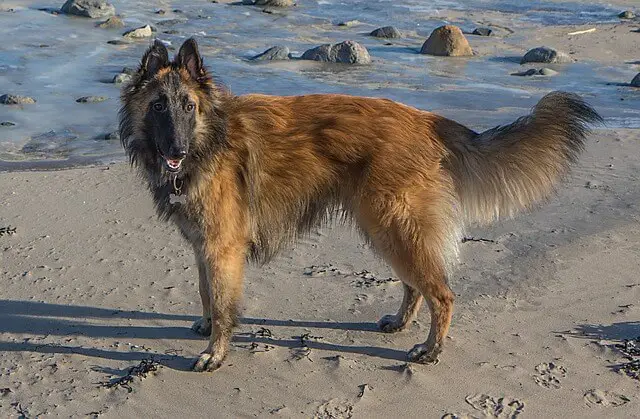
x=177, y=199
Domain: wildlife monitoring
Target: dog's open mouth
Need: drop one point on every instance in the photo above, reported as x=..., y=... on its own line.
x=172, y=165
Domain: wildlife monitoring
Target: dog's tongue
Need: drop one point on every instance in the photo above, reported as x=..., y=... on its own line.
x=174, y=164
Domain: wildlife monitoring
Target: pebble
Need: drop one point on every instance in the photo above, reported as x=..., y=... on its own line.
x=536, y=72
x=482, y=32
x=9, y=99
x=274, y=3
x=349, y=23
x=91, y=99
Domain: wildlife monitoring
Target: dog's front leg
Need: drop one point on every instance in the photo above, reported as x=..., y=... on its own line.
x=202, y=326
x=225, y=268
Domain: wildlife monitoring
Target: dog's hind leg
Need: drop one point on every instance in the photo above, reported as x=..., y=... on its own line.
x=440, y=300
x=416, y=234
x=202, y=326
x=411, y=303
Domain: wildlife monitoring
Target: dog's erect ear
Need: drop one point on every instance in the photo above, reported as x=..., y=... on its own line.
x=189, y=59
x=154, y=59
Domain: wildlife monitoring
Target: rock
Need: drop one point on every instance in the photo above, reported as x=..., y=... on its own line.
x=348, y=52
x=7, y=124
x=10, y=99
x=627, y=14
x=171, y=32
x=110, y=136
x=529, y=72
x=114, y=22
x=273, y=54
x=592, y=185
x=141, y=32
x=169, y=22
x=544, y=55
x=482, y=32
x=274, y=3
x=160, y=12
x=129, y=70
x=91, y=99
x=88, y=8
x=536, y=72
x=447, y=41
x=349, y=23
x=50, y=143
x=636, y=81
x=122, y=78
x=386, y=32
x=118, y=42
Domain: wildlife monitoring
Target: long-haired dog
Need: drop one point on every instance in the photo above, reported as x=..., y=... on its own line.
x=242, y=176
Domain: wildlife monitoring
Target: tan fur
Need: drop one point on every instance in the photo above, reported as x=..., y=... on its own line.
x=408, y=178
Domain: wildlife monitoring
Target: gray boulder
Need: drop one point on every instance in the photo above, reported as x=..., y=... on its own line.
x=544, y=55
x=141, y=32
x=88, y=8
x=273, y=54
x=386, y=32
x=114, y=22
x=348, y=52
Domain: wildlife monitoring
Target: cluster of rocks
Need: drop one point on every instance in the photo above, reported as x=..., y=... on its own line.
x=448, y=40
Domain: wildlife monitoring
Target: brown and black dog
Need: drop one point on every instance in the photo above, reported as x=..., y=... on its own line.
x=241, y=176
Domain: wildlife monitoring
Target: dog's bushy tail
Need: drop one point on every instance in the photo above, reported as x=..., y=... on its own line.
x=510, y=168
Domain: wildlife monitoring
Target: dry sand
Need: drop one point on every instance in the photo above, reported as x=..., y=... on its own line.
x=92, y=284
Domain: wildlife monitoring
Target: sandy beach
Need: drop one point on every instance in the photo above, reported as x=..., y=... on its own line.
x=97, y=295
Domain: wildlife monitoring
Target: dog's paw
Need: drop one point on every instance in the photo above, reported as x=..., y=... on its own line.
x=390, y=324
x=424, y=354
x=208, y=362
x=202, y=326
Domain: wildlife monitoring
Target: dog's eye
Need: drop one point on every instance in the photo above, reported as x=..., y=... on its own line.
x=190, y=107
x=158, y=107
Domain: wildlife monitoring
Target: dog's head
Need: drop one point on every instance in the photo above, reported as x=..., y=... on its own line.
x=166, y=105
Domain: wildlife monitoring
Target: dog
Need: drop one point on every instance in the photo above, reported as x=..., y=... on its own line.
x=243, y=176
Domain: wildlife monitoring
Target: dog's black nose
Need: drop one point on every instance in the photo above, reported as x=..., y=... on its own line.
x=178, y=152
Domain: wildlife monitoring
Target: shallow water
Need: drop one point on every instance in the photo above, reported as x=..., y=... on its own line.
x=57, y=58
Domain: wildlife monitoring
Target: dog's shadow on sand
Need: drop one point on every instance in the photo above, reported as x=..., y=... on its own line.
x=43, y=319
